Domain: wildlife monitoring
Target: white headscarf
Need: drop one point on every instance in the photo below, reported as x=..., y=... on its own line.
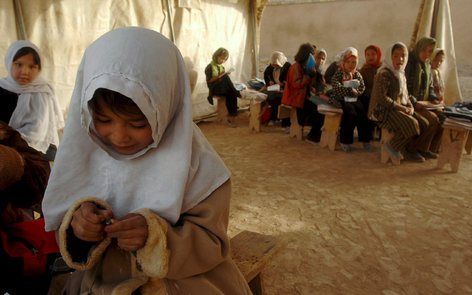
x=278, y=58
x=400, y=74
x=37, y=116
x=348, y=51
x=175, y=173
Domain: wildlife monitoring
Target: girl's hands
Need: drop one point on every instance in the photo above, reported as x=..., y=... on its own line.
x=88, y=222
x=131, y=232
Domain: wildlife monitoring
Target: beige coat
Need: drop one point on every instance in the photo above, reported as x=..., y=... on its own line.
x=191, y=257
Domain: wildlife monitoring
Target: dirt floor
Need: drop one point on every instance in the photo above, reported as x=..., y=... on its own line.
x=349, y=224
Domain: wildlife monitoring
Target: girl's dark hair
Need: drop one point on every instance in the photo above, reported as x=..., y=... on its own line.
x=397, y=46
x=117, y=102
x=219, y=52
x=28, y=50
x=304, y=52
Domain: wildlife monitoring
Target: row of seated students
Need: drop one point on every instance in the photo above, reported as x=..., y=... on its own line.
x=393, y=94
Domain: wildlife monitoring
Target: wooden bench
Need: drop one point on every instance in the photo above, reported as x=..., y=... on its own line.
x=453, y=143
x=255, y=112
x=384, y=154
x=296, y=130
x=330, y=129
x=251, y=252
x=284, y=112
x=468, y=143
x=221, y=111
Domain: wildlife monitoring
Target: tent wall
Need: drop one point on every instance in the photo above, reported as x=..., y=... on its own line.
x=434, y=20
x=203, y=28
x=7, y=20
x=63, y=29
x=336, y=25
x=461, y=12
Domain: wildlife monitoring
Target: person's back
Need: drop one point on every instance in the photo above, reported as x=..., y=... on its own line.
x=23, y=178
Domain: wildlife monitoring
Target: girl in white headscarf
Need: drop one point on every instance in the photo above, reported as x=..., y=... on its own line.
x=348, y=85
x=137, y=194
x=27, y=101
x=391, y=105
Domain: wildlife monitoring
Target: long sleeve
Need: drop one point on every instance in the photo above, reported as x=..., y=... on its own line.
x=196, y=244
x=268, y=75
x=284, y=73
x=380, y=97
x=339, y=91
x=298, y=80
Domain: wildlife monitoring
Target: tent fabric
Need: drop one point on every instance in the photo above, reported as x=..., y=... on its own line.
x=200, y=30
x=7, y=20
x=434, y=20
x=63, y=29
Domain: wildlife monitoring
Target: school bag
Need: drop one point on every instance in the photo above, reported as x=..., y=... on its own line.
x=29, y=242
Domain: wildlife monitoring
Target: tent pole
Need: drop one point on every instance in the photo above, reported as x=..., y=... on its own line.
x=255, y=52
x=19, y=20
x=171, y=19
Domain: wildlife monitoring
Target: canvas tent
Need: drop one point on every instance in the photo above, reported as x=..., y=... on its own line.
x=63, y=29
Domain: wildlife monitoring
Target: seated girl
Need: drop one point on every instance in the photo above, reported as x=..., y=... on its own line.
x=220, y=84
x=418, y=77
x=276, y=74
x=145, y=208
x=27, y=101
x=348, y=85
x=437, y=59
x=391, y=105
x=297, y=91
x=373, y=61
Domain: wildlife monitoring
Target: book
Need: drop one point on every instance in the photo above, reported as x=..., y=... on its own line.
x=275, y=87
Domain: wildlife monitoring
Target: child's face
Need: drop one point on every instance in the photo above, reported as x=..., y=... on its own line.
x=398, y=58
x=426, y=53
x=350, y=64
x=320, y=59
x=24, y=69
x=437, y=61
x=370, y=56
x=221, y=59
x=126, y=135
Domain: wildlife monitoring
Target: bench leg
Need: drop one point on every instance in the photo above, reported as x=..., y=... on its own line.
x=221, y=110
x=468, y=144
x=452, y=145
x=330, y=129
x=256, y=285
x=295, y=129
x=384, y=154
x=255, y=109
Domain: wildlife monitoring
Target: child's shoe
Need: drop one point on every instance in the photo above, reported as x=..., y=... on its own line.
x=210, y=99
x=346, y=147
x=367, y=146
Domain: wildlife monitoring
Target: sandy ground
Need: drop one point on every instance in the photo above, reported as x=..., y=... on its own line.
x=350, y=225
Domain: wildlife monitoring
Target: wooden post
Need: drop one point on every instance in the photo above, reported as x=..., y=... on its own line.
x=255, y=109
x=452, y=145
x=330, y=129
x=384, y=154
x=295, y=129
